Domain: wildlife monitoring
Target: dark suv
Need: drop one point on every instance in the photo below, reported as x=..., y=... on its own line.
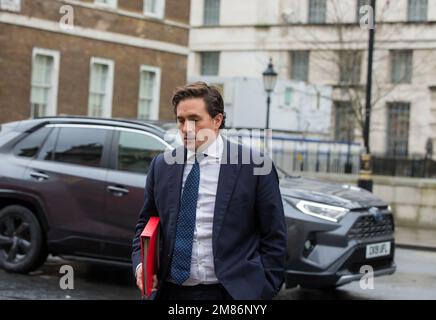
x=73, y=186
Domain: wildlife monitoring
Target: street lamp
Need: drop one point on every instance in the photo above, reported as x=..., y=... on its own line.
x=269, y=82
x=365, y=174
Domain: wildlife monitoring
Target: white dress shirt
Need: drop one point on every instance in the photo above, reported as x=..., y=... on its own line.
x=202, y=261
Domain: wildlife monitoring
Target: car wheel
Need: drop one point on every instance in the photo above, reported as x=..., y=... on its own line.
x=22, y=242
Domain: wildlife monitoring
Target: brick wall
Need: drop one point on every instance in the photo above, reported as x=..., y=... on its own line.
x=17, y=43
x=109, y=20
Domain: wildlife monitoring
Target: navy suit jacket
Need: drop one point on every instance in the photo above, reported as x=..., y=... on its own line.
x=249, y=230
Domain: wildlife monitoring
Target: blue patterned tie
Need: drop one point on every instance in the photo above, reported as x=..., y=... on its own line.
x=181, y=262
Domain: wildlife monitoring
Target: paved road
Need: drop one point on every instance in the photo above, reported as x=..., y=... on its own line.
x=415, y=279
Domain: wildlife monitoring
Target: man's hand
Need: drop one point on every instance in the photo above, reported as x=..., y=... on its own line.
x=139, y=280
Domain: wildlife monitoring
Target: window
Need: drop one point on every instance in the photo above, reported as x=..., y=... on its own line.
x=11, y=5
x=109, y=3
x=100, y=88
x=349, y=66
x=81, y=146
x=44, y=83
x=47, y=150
x=398, y=129
x=300, y=65
x=360, y=4
x=29, y=146
x=211, y=13
x=149, y=91
x=136, y=150
x=317, y=11
x=401, y=66
x=344, y=121
x=417, y=10
x=289, y=92
x=154, y=8
x=210, y=63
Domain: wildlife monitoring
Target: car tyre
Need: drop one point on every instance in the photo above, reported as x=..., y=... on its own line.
x=22, y=242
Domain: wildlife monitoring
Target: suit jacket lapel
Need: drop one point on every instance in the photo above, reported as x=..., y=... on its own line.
x=174, y=193
x=227, y=178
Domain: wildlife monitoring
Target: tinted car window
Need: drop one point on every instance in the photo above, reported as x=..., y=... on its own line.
x=47, y=150
x=29, y=146
x=136, y=150
x=82, y=146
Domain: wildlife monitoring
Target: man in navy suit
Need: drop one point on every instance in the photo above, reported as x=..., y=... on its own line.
x=223, y=232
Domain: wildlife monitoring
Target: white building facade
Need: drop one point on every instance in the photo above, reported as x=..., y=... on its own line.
x=323, y=43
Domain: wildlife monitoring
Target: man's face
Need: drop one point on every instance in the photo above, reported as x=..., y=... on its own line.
x=195, y=125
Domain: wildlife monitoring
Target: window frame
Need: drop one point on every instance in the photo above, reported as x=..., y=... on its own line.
x=292, y=55
x=154, y=112
x=52, y=104
x=107, y=107
x=218, y=53
x=314, y=19
x=345, y=76
x=389, y=134
x=291, y=91
x=394, y=55
x=160, y=11
x=416, y=11
x=13, y=7
x=344, y=104
x=212, y=23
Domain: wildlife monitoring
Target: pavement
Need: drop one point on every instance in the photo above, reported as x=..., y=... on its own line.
x=415, y=238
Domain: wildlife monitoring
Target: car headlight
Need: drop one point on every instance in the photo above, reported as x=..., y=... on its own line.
x=320, y=210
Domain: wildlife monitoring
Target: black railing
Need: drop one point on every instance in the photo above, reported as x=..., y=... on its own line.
x=403, y=166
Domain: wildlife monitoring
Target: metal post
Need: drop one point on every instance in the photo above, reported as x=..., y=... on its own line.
x=266, y=135
x=268, y=103
x=365, y=174
x=348, y=164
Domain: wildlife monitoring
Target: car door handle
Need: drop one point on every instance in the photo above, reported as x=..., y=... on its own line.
x=117, y=191
x=40, y=176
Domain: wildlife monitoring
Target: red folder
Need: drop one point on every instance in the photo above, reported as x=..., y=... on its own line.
x=149, y=254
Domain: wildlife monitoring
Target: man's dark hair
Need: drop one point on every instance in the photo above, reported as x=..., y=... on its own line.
x=210, y=95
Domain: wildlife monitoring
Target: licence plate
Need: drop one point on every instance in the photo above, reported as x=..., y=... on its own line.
x=378, y=250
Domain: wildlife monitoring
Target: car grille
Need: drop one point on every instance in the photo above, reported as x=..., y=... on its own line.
x=369, y=226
